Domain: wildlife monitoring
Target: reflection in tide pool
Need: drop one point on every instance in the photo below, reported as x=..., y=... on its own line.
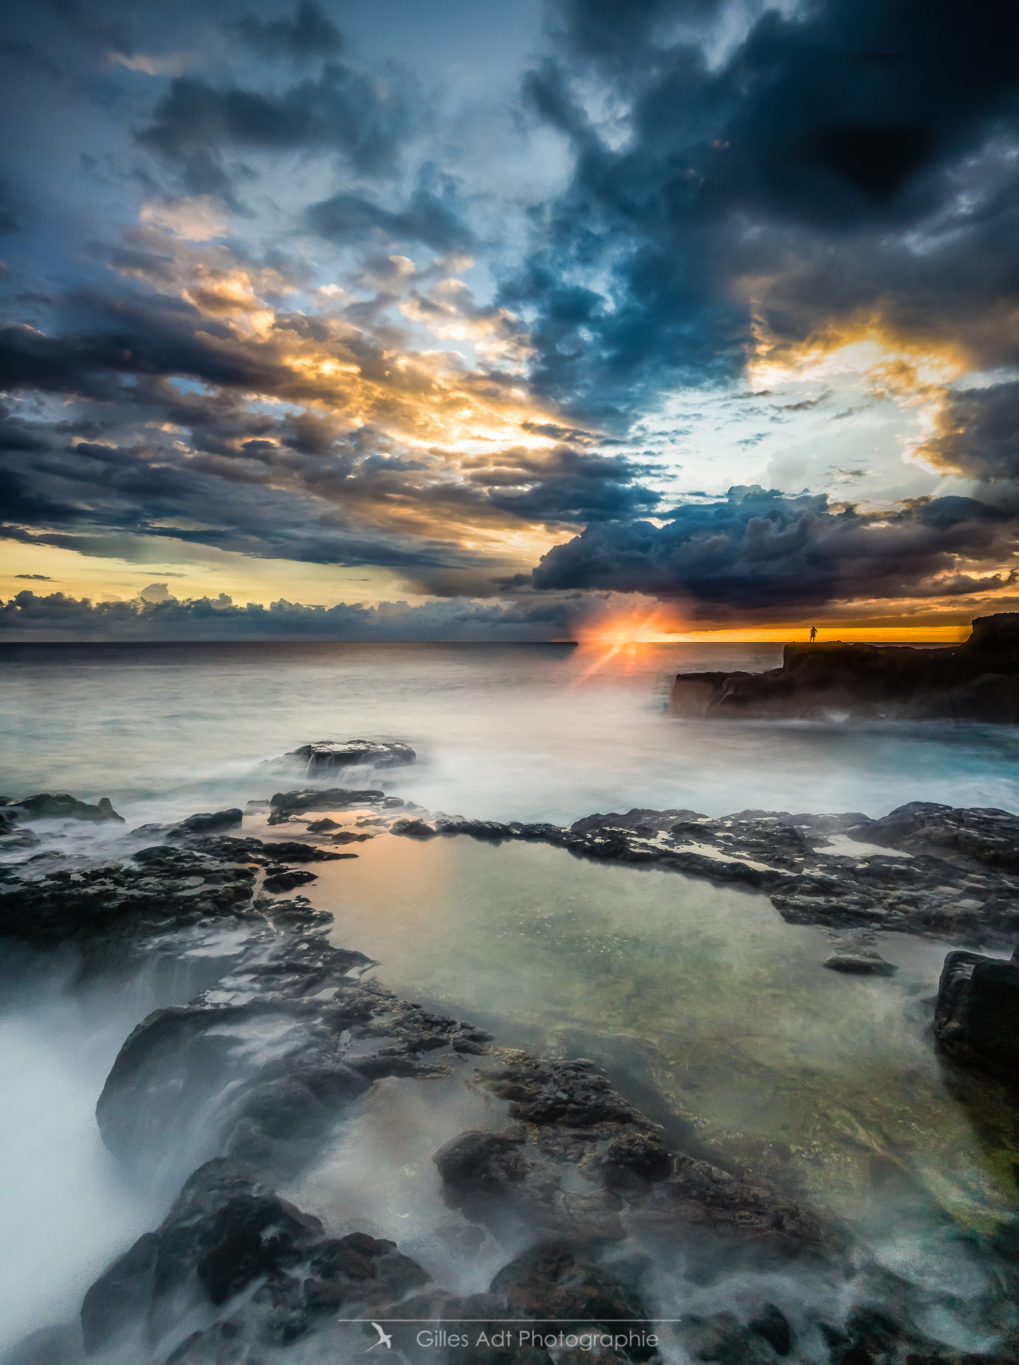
x=701, y=996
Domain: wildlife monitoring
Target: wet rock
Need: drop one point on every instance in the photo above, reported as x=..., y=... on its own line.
x=481, y=1165
x=950, y=873
x=227, y=1235
x=772, y=1326
x=557, y=1285
x=982, y=834
x=285, y=804
x=62, y=807
x=287, y=878
x=413, y=829
x=859, y=962
x=581, y=1163
x=872, y=1337
x=701, y=1194
x=534, y=1305
x=160, y=888
x=722, y=1337
x=325, y=756
x=976, y=1018
x=206, y=822
x=49, y=1346
x=268, y=1059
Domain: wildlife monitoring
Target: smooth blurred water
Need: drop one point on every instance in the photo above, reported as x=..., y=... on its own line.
x=699, y=1000
x=529, y=732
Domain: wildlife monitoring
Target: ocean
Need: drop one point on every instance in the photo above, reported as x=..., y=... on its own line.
x=529, y=732
x=702, y=1004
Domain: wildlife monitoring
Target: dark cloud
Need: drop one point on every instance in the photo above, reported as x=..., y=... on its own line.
x=427, y=217
x=980, y=434
x=308, y=32
x=35, y=577
x=762, y=551
x=801, y=162
x=197, y=126
x=564, y=486
x=57, y=616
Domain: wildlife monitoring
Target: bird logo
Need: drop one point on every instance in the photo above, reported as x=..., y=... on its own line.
x=384, y=1340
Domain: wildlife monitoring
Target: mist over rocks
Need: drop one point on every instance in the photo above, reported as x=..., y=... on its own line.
x=252, y=1075
x=582, y=1163
x=977, y=680
x=225, y=1234
x=62, y=807
x=325, y=756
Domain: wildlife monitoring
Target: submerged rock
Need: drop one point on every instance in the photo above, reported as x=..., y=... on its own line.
x=859, y=962
x=976, y=1018
x=582, y=1163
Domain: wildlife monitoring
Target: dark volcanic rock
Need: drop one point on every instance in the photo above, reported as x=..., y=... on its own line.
x=206, y=822
x=269, y=1058
x=326, y=756
x=225, y=1234
x=948, y=871
x=582, y=1163
x=722, y=1337
x=159, y=889
x=978, y=680
x=981, y=834
x=287, y=878
x=285, y=804
x=413, y=829
x=63, y=807
x=976, y=1019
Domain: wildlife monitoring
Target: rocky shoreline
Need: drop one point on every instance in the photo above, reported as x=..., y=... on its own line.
x=583, y=1193
x=975, y=681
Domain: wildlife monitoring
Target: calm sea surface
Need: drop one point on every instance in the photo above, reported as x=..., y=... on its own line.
x=528, y=732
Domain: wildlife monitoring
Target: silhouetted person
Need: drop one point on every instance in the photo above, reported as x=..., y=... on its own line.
x=813, y=634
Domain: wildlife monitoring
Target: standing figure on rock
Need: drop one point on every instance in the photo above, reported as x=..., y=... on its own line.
x=813, y=634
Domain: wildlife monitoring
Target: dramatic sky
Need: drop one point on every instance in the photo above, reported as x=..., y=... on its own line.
x=507, y=318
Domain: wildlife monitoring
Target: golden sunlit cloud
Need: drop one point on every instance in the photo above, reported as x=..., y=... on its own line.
x=913, y=373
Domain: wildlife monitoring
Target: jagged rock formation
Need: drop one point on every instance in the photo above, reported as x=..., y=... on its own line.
x=977, y=680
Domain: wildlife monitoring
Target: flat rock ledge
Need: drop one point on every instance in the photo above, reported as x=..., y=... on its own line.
x=924, y=868
x=975, y=681
x=325, y=756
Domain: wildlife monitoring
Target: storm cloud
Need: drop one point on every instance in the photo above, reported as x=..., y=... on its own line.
x=762, y=551
x=483, y=303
